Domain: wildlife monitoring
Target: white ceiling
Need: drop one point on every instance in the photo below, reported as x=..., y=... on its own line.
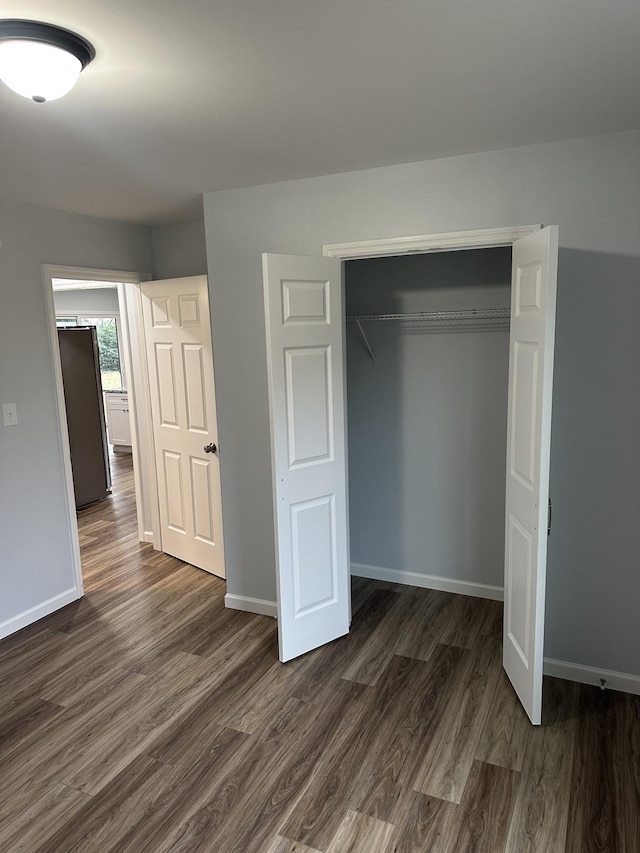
x=187, y=96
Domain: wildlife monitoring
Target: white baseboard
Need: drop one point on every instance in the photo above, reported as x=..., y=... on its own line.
x=378, y=573
x=623, y=681
x=147, y=536
x=28, y=617
x=251, y=605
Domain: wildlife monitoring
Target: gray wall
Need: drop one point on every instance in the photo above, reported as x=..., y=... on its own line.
x=179, y=250
x=86, y=300
x=589, y=187
x=428, y=421
x=35, y=555
x=594, y=565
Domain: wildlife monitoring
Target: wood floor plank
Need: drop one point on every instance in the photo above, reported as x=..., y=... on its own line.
x=594, y=823
x=253, y=798
x=446, y=766
x=323, y=802
x=461, y=623
x=156, y=634
x=17, y=722
x=20, y=662
x=360, y=591
x=193, y=785
x=164, y=703
x=93, y=644
x=360, y=833
x=253, y=712
x=421, y=608
x=625, y=756
x=285, y=845
x=282, y=783
x=487, y=809
x=79, y=683
x=427, y=824
x=325, y=667
x=46, y=752
x=541, y=809
x=411, y=701
x=166, y=593
x=416, y=610
x=47, y=813
x=206, y=637
x=506, y=732
x=28, y=646
x=372, y=659
x=217, y=686
x=492, y=622
x=99, y=825
x=185, y=739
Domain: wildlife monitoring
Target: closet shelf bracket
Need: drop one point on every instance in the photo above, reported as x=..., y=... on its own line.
x=365, y=340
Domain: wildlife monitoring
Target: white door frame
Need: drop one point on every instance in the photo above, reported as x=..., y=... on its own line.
x=130, y=306
x=142, y=441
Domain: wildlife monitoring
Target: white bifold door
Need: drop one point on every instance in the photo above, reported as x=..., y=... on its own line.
x=305, y=343
x=533, y=315
x=177, y=331
x=305, y=353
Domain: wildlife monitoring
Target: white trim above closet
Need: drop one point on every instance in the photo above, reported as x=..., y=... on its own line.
x=478, y=238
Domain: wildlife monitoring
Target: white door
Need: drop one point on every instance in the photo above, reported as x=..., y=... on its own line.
x=533, y=311
x=305, y=346
x=178, y=342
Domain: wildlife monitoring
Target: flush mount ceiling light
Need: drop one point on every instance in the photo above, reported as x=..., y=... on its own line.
x=40, y=61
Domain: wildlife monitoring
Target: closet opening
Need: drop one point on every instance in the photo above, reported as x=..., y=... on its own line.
x=307, y=371
x=427, y=356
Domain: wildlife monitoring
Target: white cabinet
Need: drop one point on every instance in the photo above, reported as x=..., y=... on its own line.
x=118, y=423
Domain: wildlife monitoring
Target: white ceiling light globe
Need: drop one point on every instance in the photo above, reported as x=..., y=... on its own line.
x=41, y=61
x=36, y=70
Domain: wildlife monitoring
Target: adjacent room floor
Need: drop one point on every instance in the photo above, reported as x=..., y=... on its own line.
x=146, y=717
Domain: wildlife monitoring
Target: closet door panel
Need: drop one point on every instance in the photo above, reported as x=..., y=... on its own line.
x=533, y=294
x=305, y=346
x=309, y=426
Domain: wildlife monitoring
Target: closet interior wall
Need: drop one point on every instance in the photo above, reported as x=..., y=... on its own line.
x=427, y=422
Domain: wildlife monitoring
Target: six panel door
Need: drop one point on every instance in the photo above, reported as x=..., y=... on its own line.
x=180, y=364
x=533, y=308
x=305, y=345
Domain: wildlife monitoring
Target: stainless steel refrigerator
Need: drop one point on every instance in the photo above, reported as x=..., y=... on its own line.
x=85, y=413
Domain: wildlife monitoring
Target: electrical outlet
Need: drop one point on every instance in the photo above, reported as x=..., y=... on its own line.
x=10, y=414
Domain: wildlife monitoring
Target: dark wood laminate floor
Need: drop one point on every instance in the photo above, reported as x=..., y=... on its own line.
x=146, y=717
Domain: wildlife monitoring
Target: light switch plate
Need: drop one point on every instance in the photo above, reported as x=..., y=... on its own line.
x=10, y=414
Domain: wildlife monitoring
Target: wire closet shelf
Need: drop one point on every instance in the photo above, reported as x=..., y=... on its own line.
x=473, y=319
x=469, y=320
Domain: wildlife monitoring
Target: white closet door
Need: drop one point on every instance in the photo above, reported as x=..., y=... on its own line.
x=533, y=308
x=305, y=346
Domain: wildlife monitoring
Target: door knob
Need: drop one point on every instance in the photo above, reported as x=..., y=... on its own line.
x=210, y=448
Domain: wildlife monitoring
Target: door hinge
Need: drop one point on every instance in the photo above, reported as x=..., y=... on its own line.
x=549, y=518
